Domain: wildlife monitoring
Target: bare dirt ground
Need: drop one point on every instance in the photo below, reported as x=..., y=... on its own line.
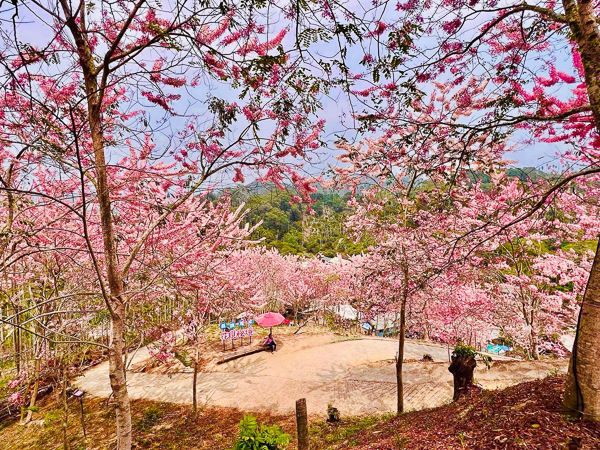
x=357, y=376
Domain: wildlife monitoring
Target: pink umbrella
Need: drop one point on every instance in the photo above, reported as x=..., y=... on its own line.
x=269, y=319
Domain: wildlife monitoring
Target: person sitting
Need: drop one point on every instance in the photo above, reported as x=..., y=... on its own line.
x=270, y=342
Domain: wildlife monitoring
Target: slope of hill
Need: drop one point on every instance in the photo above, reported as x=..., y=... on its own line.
x=524, y=416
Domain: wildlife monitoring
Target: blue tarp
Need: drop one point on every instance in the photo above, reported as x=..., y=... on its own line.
x=497, y=349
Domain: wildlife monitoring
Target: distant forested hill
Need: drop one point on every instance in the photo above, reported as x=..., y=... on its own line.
x=291, y=229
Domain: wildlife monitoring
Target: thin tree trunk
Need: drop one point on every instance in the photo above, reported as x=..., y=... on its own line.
x=117, y=380
x=114, y=298
x=65, y=410
x=25, y=394
x=194, y=389
x=2, y=323
x=401, y=339
x=36, y=387
x=17, y=340
x=534, y=341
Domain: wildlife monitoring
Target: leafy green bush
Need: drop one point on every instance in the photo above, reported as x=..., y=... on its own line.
x=255, y=437
x=461, y=349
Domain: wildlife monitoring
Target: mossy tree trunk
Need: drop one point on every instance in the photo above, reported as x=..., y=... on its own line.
x=462, y=368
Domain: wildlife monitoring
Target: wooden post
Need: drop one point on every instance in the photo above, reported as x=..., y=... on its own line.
x=82, y=418
x=302, y=424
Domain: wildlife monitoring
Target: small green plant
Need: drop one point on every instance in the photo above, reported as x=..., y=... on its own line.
x=401, y=442
x=333, y=414
x=33, y=408
x=151, y=417
x=254, y=437
x=461, y=349
x=554, y=372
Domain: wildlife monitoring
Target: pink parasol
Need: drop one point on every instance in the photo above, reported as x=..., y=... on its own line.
x=269, y=319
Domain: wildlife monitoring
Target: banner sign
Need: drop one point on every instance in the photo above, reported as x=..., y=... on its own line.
x=237, y=334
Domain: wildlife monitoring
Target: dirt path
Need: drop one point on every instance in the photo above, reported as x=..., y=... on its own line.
x=356, y=376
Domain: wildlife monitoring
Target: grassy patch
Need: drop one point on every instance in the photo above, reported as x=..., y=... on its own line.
x=149, y=418
x=342, y=435
x=155, y=426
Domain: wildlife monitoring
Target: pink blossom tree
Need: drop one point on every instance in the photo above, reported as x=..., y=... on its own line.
x=499, y=62
x=84, y=111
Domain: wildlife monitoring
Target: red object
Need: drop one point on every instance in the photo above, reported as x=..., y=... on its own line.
x=286, y=322
x=269, y=319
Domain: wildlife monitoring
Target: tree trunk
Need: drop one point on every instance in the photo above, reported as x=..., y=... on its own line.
x=401, y=339
x=582, y=390
x=36, y=387
x=2, y=323
x=17, y=340
x=113, y=297
x=534, y=341
x=462, y=368
x=65, y=410
x=194, y=388
x=25, y=394
x=117, y=381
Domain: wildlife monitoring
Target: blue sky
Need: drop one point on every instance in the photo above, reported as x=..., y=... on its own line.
x=335, y=106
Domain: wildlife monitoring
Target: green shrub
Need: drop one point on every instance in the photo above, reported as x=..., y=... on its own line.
x=333, y=414
x=151, y=417
x=255, y=437
x=461, y=349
